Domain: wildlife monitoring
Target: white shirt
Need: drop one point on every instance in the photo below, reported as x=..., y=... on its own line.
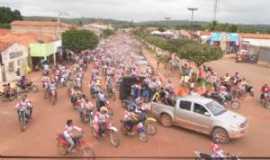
x=68, y=131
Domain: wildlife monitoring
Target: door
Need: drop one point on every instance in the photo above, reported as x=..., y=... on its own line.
x=183, y=114
x=202, y=119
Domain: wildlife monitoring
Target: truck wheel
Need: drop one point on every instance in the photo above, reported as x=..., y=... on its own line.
x=166, y=120
x=220, y=136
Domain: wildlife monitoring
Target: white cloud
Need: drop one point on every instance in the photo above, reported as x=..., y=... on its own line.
x=237, y=11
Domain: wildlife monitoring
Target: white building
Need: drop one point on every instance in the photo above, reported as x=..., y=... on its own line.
x=97, y=27
x=13, y=60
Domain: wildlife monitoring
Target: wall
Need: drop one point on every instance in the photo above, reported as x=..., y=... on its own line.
x=264, y=53
x=15, y=57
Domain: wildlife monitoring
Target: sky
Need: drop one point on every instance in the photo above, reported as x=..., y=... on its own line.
x=233, y=11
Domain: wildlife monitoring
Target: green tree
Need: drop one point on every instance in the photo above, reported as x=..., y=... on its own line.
x=5, y=25
x=233, y=28
x=187, y=49
x=107, y=32
x=161, y=29
x=78, y=40
x=7, y=15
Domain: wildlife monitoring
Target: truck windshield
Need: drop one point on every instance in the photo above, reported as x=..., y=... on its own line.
x=215, y=108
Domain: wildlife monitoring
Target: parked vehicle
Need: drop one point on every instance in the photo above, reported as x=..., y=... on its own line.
x=30, y=87
x=203, y=115
x=9, y=98
x=246, y=58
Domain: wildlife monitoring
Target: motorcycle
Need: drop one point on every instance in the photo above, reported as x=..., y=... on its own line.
x=265, y=101
x=143, y=130
x=111, y=132
x=232, y=102
x=30, y=87
x=11, y=97
x=205, y=156
x=81, y=147
x=24, y=118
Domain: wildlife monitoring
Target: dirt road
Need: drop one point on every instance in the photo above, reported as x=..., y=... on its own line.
x=48, y=121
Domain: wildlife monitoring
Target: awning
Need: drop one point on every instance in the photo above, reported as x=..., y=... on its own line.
x=44, y=49
x=215, y=36
x=234, y=37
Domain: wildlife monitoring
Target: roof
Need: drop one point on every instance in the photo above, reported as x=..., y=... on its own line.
x=40, y=24
x=4, y=31
x=4, y=45
x=258, y=42
x=25, y=38
x=255, y=36
x=197, y=99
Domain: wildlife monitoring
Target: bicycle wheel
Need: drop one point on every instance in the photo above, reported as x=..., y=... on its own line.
x=114, y=139
x=88, y=153
x=235, y=104
x=143, y=137
x=151, y=129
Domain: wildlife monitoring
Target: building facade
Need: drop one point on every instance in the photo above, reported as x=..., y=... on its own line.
x=14, y=62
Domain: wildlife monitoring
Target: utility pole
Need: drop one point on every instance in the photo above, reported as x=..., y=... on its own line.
x=215, y=10
x=167, y=20
x=58, y=31
x=192, y=10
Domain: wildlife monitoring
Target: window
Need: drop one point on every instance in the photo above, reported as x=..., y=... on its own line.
x=15, y=55
x=186, y=105
x=11, y=67
x=199, y=109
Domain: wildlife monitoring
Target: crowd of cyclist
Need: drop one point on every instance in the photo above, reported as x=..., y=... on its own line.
x=109, y=66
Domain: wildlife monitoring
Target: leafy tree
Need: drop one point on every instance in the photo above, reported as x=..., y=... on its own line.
x=187, y=49
x=233, y=28
x=161, y=29
x=78, y=40
x=5, y=25
x=107, y=32
x=199, y=53
x=7, y=15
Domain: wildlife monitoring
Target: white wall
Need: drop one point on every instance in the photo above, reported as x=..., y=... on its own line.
x=18, y=55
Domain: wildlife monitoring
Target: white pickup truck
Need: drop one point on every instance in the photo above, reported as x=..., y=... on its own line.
x=202, y=115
